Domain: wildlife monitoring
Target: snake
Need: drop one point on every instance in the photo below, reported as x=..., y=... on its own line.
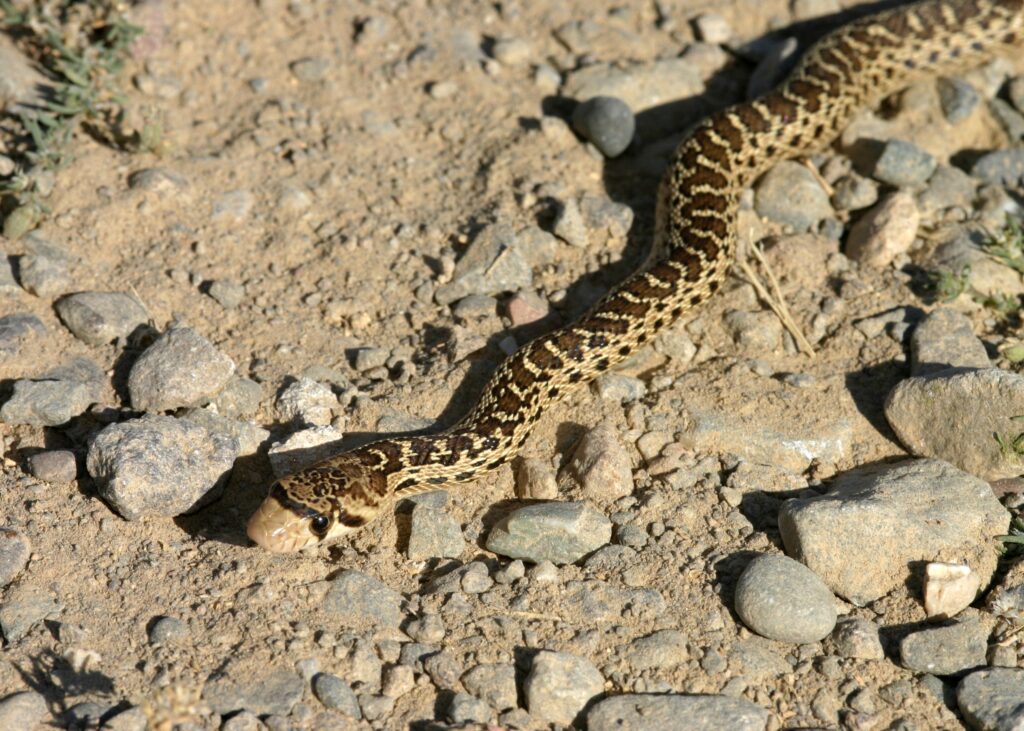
x=694, y=245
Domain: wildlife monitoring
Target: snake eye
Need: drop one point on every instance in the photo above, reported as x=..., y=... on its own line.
x=319, y=524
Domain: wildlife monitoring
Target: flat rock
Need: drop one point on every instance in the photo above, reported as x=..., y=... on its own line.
x=945, y=339
x=23, y=607
x=180, y=369
x=993, y=699
x=656, y=712
x=783, y=600
x=308, y=402
x=494, y=684
x=560, y=685
x=360, y=600
x=159, y=465
x=947, y=650
x=492, y=264
x=874, y=522
x=970, y=419
x=662, y=649
x=558, y=532
x=46, y=403
x=98, y=318
x=267, y=691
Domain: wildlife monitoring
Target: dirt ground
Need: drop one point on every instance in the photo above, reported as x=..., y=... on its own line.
x=316, y=163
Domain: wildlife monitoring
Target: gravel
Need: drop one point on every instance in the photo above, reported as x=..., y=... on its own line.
x=562, y=533
x=607, y=122
x=992, y=699
x=783, y=600
x=359, y=600
x=949, y=650
x=559, y=686
x=642, y=712
x=789, y=193
x=98, y=318
x=159, y=465
x=180, y=369
x=228, y=294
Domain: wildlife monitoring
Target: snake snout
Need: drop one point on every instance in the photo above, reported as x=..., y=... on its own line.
x=276, y=529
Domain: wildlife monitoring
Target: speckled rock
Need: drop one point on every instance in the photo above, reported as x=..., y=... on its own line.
x=945, y=339
x=181, y=368
x=558, y=532
x=992, y=699
x=782, y=599
x=656, y=712
x=433, y=534
x=46, y=402
x=360, y=600
x=947, y=650
x=560, y=685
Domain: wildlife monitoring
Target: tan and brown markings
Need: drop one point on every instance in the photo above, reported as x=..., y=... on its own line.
x=695, y=236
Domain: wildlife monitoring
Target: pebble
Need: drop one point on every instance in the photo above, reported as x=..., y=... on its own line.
x=17, y=328
x=569, y=225
x=957, y=97
x=754, y=332
x=397, y=681
x=535, y=479
x=25, y=606
x=239, y=399
x=360, y=600
x=98, y=318
x=562, y=533
x=15, y=549
x=232, y=207
x=47, y=403
x=159, y=465
x=949, y=588
x=228, y=294
x=307, y=402
x=987, y=275
x=44, y=276
x=884, y=231
x=945, y=339
x=495, y=684
x=336, y=694
x=265, y=691
x=986, y=403
x=24, y=710
x=180, y=369
x=604, y=217
x=491, y=265
x=712, y=28
x=857, y=638
x=607, y=122
x=366, y=359
x=601, y=464
x=303, y=448
x=853, y=192
x=619, y=387
x=512, y=51
x=313, y=68
x=789, y=193
x=134, y=718
x=947, y=187
x=432, y=534
x=992, y=699
x=946, y=650
x=1011, y=120
x=559, y=686
x=167, y=629
x=1003, y=167
x=376, y=707
x=783, y=600
x=475, y=306
x=247, y=434
x=158, y=180
x=53, y=466
x=903, y=164
x=861, y=536
x=464, y=708
x=8, y=284
x=655, y=712
x=662, y=649
x=475, y=578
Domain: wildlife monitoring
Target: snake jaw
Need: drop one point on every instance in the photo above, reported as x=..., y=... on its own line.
x=277, y=529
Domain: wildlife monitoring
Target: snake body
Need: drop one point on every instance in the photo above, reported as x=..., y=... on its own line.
x=695, y=241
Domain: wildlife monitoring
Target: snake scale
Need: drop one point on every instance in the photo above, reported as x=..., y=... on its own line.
x=695, y=240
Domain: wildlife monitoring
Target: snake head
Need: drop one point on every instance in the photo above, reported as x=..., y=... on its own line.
x=320, y=503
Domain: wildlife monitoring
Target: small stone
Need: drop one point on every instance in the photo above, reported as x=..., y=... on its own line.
x=526, y=308
x=25, y=606
x=945, y=339
x=167, y=629
x=789, y=193
x=15, y=549
x=712, y=28
x=134, y=719
x=569, y=225
x=336, y=694
x=228, y=294
x=535, y=479
x=465, y=708
x=558, y=532
x=17, y=328
x=902, y=164
x=853, y=192
x=310, y=69
x=619, y=387
x=857, y=638
x=958, y=98
x=303, y=448
x=642, y=712
x=47, y=402
x=884, y=231
x=98, y=318
x=24, y=710
x=754, y=332
x=262, y=691
x=433, y=534
x=1003, y=167
x=494, y=684
x=560, y=686
x=1010, y=119
x=443, y=89
x=663, y=649
x=601, y=464
x=947, y=187
x=512, y=51
x=607, y=122
x=376, y=707
x=949, y=588
x=992, y=699
x=180, y=369
x=307, y=402
x=54, y=466
x=360, y=600
x=398, y=680
x=428, y=628
x=947, y=650
x=475, y=306
x=493, y=264
x=158, y=180
x=782, y=599
x=545, y=572
x=232, y=207
x=239, y=399
x=44, y=276
x=369, y=358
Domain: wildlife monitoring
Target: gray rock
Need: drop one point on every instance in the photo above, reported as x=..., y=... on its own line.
x=8, y=284
x=604, y=217
x=948, y=650
x=560, y=686
x=945, y=339
x=180, y=369
x=44, y=276
x=1004, y=167
x=247, y=434
x=789, y=193
x=642, y=712
x=375, y=707
x=24, y=710
x=228, y=294
x=853, y=192
x=558, y=532
x=885, y=231
x=783, y=600
x=167, y=629
x=362, y=601
x=569, y=225
x=433, y=533
x=308, y=402
x=957, y=98
x=310, y=69
x=268, y=691
x=495, y=684
x=465, y=708
x=493, y=264
x=427, y=629
x=756, y=333
x=601, y=464
x=619, y=387
x=240, y=398
x=1010, y=119
x=874, y=522
x=336, y=694
x=857, y=638
x=17, y=328
x=54, y=465
x=23, y=608
x=15, y=548
x=607, y=122
x=159, y=465
x=903, y=163
x=366, y=359
x=712, y=28
x=662, y=649
x=46, y=403
x=992, y=699
x=98, y=318
x=947, y=187
x=987, y=275
x=134, y=719
x=970, y=419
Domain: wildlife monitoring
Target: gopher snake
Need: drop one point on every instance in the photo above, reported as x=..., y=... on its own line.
x=695, y=236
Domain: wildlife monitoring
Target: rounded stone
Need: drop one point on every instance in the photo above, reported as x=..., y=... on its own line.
x=607, y=122
x=782, y=599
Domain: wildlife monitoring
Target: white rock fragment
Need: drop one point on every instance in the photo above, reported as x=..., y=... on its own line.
x=949, y=588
